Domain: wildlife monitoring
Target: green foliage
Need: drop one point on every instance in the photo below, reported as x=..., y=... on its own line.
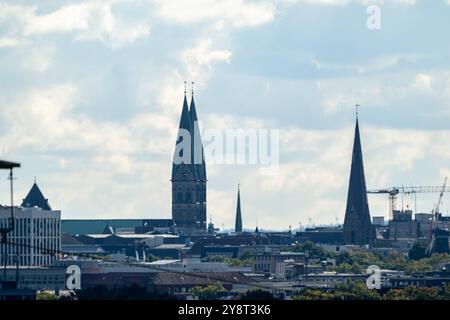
x=208, y=293
x=243, y=262
x=151, y=258
x=44, y=295
x=417, y=252
x=412, y=293
x=358, y=261
x=358, y=291
x=342, y=291
x=314, y=251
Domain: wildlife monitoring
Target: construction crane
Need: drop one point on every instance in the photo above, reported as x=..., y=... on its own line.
x=395, y=191
x=435, y=219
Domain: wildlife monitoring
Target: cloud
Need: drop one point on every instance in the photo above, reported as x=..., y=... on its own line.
x=238, y=13
x=87, y=21
x=199, y=60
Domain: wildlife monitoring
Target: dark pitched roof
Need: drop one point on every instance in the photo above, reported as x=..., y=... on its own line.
x=185, y=124
x=108, y=230
x=35, y=198
x=69, y=240
x=189, y=122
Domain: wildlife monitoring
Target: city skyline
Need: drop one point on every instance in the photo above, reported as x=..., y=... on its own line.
x=91, y=106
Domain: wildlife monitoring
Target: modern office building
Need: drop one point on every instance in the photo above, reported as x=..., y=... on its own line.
x=36, y=238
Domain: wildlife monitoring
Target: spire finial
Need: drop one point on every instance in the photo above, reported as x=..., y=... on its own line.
x=357, y=110
x=185, y=87
x=192, y=84
x=34, y=179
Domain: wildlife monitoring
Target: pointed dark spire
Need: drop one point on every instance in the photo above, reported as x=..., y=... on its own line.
x=185, y=124
x=35, y=198
x=357, y=224
x=238, y=222
x=197, y=146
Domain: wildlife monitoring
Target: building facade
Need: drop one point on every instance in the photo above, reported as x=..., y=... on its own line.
x=36, y=239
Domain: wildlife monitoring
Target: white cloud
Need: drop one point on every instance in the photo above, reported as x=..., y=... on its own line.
x=200, y=59
x=422, y=81
x=239, y=13
x=87, y=21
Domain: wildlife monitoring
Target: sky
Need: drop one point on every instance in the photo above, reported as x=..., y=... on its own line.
x=91, y=94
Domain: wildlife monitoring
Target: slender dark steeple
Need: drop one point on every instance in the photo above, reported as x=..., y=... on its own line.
x=189, y=174
x=238, y=222
x=357, y=225
x=35, y=198
x=198, y=157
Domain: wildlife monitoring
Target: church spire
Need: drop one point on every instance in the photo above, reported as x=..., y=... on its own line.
x=238, y=222
x=357, y=224
x=184, y=128
x=197, y=145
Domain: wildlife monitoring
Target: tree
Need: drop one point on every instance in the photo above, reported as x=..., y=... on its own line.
x=412, y=293
x=355, y=290
x=417, y=252
x=343, y=291
x=313, y=294
x=208, y=293
x=45, y=295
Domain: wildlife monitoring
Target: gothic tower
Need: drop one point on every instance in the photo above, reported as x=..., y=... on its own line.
x=238, y=222
x=189, y=174
x=357, y=225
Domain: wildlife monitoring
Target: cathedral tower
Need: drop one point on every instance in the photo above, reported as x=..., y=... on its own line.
x=189, y=174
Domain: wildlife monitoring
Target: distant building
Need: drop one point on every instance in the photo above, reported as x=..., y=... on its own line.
x=189, y=265
x=270, y=262
x=36, y=239
x=378, y=221
x=403, y=226
x=357, y=225
x=189, y=175
x=321, y=235
x=424, y=220
x=96, y=226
